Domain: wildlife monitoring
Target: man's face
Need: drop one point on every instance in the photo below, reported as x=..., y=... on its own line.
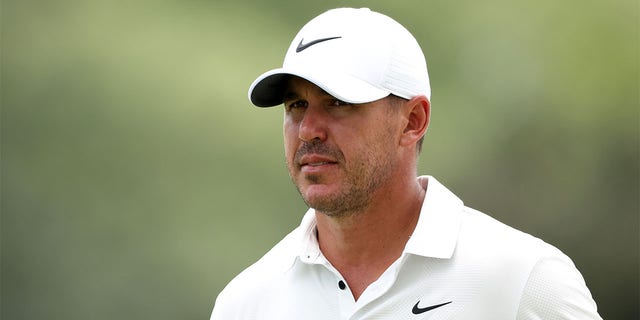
x=338, y=154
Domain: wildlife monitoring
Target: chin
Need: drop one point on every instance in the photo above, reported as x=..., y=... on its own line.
x=316, y=195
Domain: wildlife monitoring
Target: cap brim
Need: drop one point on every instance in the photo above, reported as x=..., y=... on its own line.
x=269, y=88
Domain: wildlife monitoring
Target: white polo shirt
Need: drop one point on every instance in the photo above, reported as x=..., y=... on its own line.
x=458, y=264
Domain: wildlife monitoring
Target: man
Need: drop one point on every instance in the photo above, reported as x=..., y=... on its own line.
x=379, y=242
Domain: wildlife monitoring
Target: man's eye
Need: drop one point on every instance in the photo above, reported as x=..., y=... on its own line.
x=297, y=105
x=339, y=103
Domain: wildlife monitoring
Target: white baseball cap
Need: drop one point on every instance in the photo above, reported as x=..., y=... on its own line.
x=355, y=55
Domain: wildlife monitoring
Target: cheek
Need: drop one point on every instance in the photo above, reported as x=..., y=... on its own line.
x=290, y=135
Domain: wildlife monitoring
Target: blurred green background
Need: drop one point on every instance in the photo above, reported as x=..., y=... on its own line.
x=137, y=179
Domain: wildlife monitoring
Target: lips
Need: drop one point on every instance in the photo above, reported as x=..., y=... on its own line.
x=314, y=161
x=316, y=164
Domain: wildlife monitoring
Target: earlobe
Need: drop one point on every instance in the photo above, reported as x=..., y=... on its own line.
x=418, y=113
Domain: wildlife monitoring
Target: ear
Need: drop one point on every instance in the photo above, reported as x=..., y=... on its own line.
x=417, y=112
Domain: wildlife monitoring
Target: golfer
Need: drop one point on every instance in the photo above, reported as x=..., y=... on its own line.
x=379, y=241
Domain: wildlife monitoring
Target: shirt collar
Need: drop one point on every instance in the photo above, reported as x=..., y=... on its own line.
x=309, y=251
x=435, y=235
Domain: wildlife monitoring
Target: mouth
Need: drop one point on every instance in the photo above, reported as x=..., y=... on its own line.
x=315, y=163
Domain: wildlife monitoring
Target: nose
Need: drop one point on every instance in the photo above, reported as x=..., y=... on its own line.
x=313, y=124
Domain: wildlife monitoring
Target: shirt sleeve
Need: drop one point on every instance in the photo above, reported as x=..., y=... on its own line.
x=556, y=290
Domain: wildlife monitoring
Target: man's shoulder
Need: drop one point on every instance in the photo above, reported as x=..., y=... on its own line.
x=537, y=277
x=508, y=265
x=502, y=243
x=255, y=280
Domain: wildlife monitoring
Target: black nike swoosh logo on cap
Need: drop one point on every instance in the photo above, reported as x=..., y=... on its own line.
x=309, y=44
x=417, y=310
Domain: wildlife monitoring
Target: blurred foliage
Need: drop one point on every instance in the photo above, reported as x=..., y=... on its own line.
x=137, y=180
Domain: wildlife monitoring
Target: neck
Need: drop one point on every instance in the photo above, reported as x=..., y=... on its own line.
x=362, y=245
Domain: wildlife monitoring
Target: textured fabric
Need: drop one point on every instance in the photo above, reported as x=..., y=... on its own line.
x=461, y=262
x=543, y=298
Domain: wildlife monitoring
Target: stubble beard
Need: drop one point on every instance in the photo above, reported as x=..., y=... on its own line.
x=356, y=189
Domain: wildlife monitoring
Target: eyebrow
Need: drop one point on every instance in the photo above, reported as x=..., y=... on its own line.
x=290, y=95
